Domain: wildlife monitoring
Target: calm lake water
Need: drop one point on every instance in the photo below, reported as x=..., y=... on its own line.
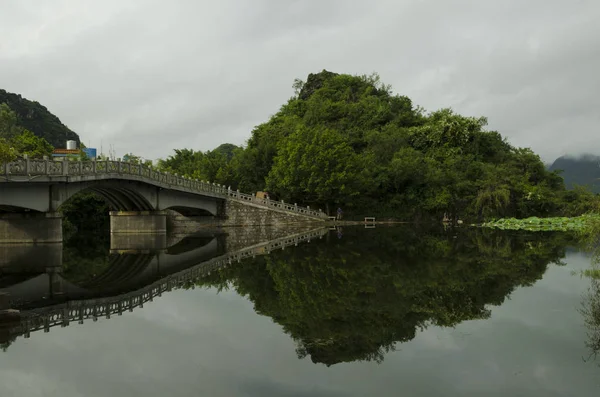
x=354, y=312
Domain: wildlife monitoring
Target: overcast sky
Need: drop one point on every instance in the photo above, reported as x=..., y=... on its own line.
x=149, y=76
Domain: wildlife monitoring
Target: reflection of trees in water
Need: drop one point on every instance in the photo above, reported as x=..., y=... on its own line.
x=354, y=298
x=85, y=255
x=86, y=229
x=591, y=314
x=590, y=307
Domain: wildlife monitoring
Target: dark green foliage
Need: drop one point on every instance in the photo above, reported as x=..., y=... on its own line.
x=227, y=150
x=36, y=118
x=212, y=166
x=348, y=140
x=84, y=213
x=86, y=254
x=410, y=165
x=18, y=141
x=354, y=298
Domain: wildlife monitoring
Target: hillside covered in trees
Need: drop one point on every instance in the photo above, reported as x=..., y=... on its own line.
x=15, y=140
x=579, y=171
x=349, y=141
x=34, y=117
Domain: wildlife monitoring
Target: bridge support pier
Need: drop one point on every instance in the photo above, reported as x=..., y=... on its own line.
x=29, y=258
x=146, y=242
x=138, y=222
x=31, y=228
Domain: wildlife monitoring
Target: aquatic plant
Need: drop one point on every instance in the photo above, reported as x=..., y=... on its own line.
x=583, y=224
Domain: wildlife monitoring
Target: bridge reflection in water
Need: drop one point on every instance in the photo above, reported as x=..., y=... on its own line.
x=40, y=297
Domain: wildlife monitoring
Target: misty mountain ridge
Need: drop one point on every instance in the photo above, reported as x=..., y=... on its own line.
x=582, y=169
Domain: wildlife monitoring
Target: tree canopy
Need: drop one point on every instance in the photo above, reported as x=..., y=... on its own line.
x=349, y=140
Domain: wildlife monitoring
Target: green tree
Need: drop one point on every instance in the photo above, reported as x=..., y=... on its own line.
x=9, y=127
x=316, y=165
x=7, y=152
x=33, y=146
x=132, y=158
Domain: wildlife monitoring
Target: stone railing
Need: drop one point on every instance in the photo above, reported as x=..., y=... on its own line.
x=32, y=168
x=281, y=205
x=63, y=314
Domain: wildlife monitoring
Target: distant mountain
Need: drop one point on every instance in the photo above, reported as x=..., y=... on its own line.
x=583, y=170
x=37, y=119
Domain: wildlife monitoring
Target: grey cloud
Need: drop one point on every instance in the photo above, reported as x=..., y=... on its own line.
x=151, y=76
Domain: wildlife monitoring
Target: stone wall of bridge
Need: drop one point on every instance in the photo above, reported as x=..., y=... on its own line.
x=234, y=214
x=30, y=228
x=250, y=214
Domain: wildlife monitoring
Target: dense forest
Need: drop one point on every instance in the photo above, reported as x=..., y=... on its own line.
x=348, y=141
x=34, y=117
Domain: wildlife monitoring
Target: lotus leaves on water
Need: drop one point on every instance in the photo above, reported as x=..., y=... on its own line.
x=579, y=223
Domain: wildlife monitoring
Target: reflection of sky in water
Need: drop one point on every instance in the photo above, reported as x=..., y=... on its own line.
x=202, y=343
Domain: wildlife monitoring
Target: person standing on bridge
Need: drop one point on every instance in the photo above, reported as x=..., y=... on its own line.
x=339, y=214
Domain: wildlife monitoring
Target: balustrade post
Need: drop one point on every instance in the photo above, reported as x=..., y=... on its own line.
x=65, y=166
x=80, y=170
x=80, y=315
x=238, y=193
x=45, y=165
x=27, y=165
x=65, y=317
x=94, y=166
x=120, y=167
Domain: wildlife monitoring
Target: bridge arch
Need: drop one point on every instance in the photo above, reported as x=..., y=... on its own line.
x=119, y=195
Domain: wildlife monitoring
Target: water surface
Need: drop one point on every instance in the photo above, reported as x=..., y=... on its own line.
x=385, y=311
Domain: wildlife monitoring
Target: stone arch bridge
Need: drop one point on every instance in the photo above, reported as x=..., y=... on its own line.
x=32, y=191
